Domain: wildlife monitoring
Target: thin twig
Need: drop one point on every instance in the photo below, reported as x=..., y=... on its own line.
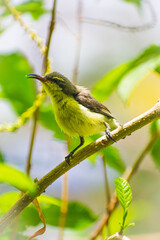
x=77, y=59
x=108, y=23
x=46, y=67
x=127, y=175
x=108, y=196
x=64, y=206
x=101, y=143
x=64, y=199
x=28, y=162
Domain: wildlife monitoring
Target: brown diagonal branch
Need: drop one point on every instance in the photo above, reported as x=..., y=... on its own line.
x=99, y=144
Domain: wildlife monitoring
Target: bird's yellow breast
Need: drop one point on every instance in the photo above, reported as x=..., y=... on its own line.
x=75, y=119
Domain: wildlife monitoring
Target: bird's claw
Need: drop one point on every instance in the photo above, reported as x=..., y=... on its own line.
x=68, y=157
x=109, y=135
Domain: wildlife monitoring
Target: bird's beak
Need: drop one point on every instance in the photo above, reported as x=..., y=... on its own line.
x=41, y=78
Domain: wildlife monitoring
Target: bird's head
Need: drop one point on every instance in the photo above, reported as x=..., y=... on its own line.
x=54, y=81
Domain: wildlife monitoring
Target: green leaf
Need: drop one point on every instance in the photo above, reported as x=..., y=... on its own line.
x=15, y=87
x=155, y=127
x=79, y=216
x=113, y=159
x=105, y=86
x=136, y=2
x=124, y=193
x=2, y=159
x=16, y=178
x=47, y=119
x=157, y=69
x=49, y=200
x=143, y=64
x=7, y=200
x=155, y=152
x=33, y=7
x=127, y=75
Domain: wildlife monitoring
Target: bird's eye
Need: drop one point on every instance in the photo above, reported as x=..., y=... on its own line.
x=55, y=80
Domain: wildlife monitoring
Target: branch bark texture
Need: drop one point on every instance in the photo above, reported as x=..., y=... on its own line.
x=99, y=144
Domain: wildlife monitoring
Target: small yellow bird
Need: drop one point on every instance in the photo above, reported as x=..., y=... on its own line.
x=77, y=112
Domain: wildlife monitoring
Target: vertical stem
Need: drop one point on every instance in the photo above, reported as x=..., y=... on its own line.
x=107, y=190
x=28, y=163
x=75, y=71
x=108, y=196
x=64, y=206
x=123, y=222
x=64, y=200
x=49, y=37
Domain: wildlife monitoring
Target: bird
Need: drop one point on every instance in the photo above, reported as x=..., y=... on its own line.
x=76, y=111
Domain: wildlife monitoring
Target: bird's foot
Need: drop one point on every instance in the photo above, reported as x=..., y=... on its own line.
x=109, y=135
x=68, y=157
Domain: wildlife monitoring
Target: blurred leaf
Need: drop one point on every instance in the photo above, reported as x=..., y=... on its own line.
x=7, y=200
x=16, y=178
x=105, y=86
x=47, y=119
x=155, y=152
x=142, y=65
x=124, y=193
x=33, y=7
x=79, y=216
x=157, y=69
x=2, y=159
x=113, y=158
x=127, y=75
x=19, y=90
x=137, y=2
x=49, y=200
x=155, y=127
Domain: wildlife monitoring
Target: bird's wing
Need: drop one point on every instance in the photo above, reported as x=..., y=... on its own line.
x=84, y=97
